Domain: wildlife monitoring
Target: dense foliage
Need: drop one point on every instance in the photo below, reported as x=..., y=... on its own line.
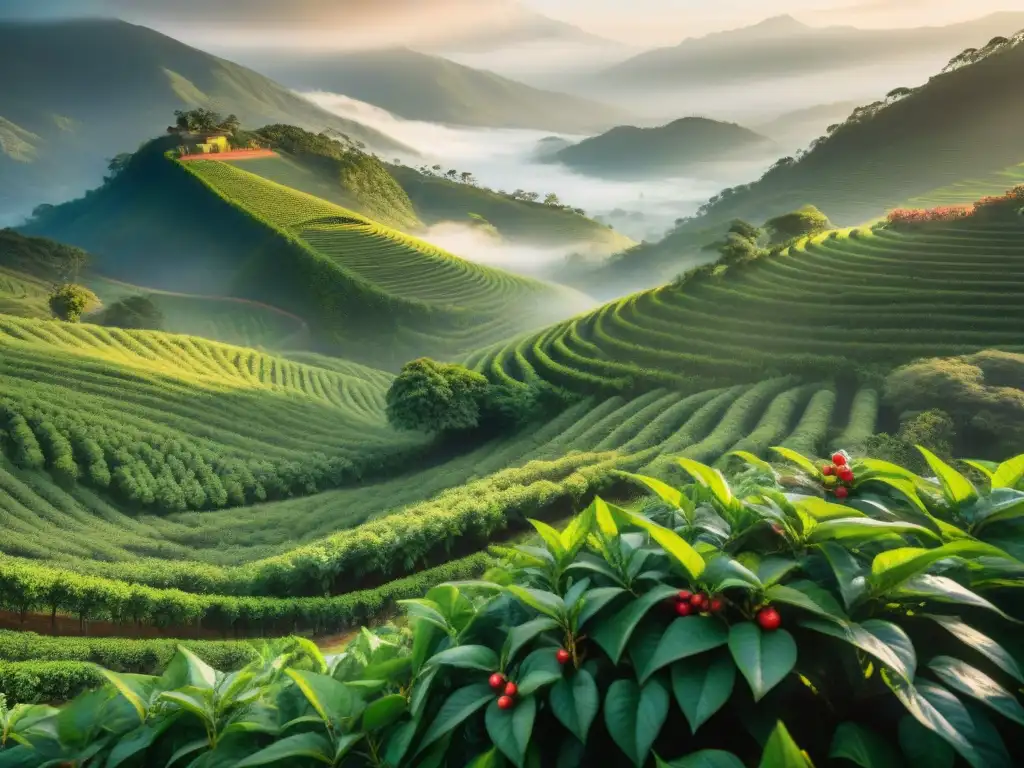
x=441, y=397
x=983, y=393
x=41, y=257
x=133, y=312
x=772, y=622
x=433, y=397
x=804, y=221
x=70, y=301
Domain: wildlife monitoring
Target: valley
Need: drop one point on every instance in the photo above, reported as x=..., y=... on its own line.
x=393, y=412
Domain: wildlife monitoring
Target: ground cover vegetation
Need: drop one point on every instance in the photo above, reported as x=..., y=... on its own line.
x=768, y=621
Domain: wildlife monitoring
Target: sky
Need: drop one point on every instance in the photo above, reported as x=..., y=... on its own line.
x=363, y=23
x=664, y=22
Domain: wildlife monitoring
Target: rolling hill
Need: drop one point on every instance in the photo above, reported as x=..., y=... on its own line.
x=631, y=152
x=412, y=201
x=419, y=86
x=959, y=125
x=211, y=228
x=783, y=46
x=89, y=89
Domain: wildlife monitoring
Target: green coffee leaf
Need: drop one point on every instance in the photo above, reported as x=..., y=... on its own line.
x=613, y=632
x=983, y=644
x=510, y=729
x=575, y=701
x=764, y=658
x=702, y=686
x=782, y=752
x=687, y=636
x=862, y=747
x=634, y=716
x=968, y=680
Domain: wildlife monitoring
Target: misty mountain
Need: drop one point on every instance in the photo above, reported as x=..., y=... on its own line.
x=418, y=86
x=78, y=92
x=783, y=46
x=630, y=152
x=962, y=124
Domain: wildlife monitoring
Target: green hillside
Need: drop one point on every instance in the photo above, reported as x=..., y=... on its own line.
x=886, y=153
x=846, y=304
x=631, y=152
x=418, y=86
x=407, y=199
x=212, y=228
x=521, y=221
x=89, y=89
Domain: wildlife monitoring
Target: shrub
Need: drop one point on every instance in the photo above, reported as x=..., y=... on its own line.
x=133, y=312
x=433, y=397
x=70, y=301
x=786, y=628
x=803, y=221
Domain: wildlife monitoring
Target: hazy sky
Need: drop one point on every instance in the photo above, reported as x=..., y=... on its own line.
x=344, y=23
x=669, y=21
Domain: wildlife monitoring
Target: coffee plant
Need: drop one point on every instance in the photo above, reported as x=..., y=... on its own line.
x=767, y=622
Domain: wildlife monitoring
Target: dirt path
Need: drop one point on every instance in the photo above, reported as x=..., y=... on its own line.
x=235, y=154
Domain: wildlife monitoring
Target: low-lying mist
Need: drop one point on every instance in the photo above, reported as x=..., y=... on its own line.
x=505, y=159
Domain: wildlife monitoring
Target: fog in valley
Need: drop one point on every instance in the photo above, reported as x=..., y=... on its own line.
x=506, y=159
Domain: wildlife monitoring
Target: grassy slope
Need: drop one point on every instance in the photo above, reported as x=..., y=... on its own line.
x=419, y=86
x=960, y=125
x=438, y=200
x=668, y=149
x=208, y=227
x=88, y=89
x=434, y=200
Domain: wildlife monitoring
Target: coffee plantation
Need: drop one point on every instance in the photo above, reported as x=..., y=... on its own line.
x=879, y=629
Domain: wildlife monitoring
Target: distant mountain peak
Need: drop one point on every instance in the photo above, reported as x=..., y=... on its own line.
x=783, y=22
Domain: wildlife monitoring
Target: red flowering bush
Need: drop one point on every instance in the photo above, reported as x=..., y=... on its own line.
x=905, y=216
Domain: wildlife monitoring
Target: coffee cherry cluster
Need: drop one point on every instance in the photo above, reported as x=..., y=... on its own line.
x=688, y=603
x=838, y=476
x=506, y=689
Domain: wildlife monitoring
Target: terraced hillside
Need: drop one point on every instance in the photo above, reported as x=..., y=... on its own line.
x=838, y=304
x=433, y=200
x=342, y=540
x=166, y=423
x=211, y=228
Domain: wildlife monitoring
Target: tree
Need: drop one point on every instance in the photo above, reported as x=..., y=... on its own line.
x=467, y=177
x=197, y=120
x=70, y=301
x=452, y=173
x=433, y=397
x=230, y=124
x=117, y=164
x=804, y=221
x=133, y=312
x=551, y=199
x=530, y=196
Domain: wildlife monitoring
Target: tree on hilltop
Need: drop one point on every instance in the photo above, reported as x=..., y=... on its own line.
x=804, y=221
x=429, y=396
x=70, y=301
x=551, y=199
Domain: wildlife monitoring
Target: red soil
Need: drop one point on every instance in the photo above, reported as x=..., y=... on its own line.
x=235, y=154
